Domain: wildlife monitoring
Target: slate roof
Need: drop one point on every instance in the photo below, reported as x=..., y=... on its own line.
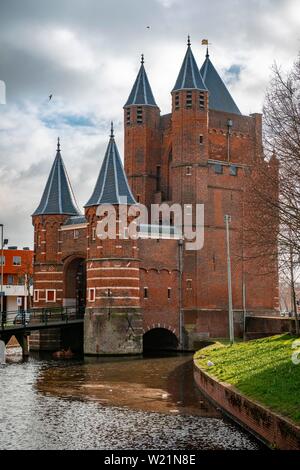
x=219, y=97
x=58, y=195
x=112, y=186
x=141, y=93
x=76, y=220
x=189, y=77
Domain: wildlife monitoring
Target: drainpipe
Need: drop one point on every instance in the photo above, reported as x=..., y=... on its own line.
x=180, y=261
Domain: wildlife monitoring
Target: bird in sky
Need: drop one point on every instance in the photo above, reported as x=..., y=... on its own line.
x=50, y=97
x=148, y=27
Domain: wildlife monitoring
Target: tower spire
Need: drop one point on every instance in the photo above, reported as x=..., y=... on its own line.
x=112, y=130
x=142, y=59
x=58, y=144
x=189, y=77
x=141, y=93
x=189, y=41
x=207, y=53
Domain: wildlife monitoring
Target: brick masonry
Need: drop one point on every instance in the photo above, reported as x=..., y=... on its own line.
x=172, y=159
x=277, y=431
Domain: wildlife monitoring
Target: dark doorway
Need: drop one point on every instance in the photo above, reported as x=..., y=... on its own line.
x=160, y=339
x=75, y=284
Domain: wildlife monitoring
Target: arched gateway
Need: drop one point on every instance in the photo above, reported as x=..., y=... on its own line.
x=74, y=282
x=160, y=339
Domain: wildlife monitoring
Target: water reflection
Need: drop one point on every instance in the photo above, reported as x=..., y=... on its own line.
x=137, y=403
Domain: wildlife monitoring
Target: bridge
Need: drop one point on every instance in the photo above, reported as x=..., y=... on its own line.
x=21, y=324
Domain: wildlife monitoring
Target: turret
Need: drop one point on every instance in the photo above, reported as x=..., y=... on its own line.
x=142, y=139
x=113, y=320
x=189, y=128
x=57, y=204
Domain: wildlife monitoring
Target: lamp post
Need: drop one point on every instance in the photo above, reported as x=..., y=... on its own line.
x=227, y=220
x=2, y=266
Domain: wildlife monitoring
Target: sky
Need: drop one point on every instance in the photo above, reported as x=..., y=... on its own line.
x=86, y=53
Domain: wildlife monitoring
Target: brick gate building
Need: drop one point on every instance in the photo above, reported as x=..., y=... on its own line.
x=152, y=287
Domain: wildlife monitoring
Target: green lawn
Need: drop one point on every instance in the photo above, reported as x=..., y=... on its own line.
x=261, y=369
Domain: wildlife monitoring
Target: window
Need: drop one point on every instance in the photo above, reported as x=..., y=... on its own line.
x=76, y=234
x=218, y=168
x=201, y=139
x=10, y=279
x=189, y=284
x=145, y=292
x=189, y=209
x=189, y=99
x=138, y=198
x=128, y=117
x=188, y=171
x=94, y=233
x=17, y=260
x=51, y=295
x=2, y=260
x=139, y=115
x=201, y=101
x=169, y=293
x=176, y=101
x=36, y=295
x=92, y=294
x=233, y=170
x=21, y=280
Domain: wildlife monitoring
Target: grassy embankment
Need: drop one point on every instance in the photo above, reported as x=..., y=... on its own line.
x=261, y=369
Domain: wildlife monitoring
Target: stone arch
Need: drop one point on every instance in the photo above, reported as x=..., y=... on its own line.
x=160, y=337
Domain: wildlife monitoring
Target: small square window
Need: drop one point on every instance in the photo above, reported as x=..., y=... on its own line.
x=2, y=260
x=10, y=279
x=76, y=234
x=189, y=284
x=17, y=260
x=188, y=171
x=145, y=292
x=169, y=293
x=50, y=295
x=201, y=139
x=233, y=170
x=218, y=168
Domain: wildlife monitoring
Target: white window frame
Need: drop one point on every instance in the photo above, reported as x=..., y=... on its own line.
x=188, y=171
x=76, y=234
x=93, y=233
x=36, y=298
x=92, y=289
x=51, y=301
x=18, y=264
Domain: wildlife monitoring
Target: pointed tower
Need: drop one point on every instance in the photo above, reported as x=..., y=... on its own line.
x=56, y=206
x=142, y=139
x=189, y=129
x=219, y=97
x=113, y=322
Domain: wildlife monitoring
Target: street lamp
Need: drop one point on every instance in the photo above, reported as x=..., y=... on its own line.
x=227, y=220
x=3, y=242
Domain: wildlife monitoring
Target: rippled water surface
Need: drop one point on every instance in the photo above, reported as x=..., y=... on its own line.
x=148, y=403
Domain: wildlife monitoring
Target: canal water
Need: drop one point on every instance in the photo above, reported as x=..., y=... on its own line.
x=124, y=403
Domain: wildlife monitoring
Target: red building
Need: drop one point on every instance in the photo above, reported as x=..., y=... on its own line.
x=152, y=287
x=17, y=278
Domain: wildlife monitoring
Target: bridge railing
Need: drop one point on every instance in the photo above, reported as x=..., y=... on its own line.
x=36, y=316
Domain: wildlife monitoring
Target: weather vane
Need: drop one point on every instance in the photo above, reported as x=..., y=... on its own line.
x=205, y=42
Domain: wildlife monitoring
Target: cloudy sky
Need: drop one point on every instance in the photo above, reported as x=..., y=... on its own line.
x=87, y=52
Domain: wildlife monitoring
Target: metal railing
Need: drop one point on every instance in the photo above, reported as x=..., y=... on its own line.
x=31, y=318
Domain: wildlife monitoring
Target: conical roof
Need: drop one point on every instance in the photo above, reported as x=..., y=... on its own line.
x=189, y=77
x=141, y=93
x=58, y=195
x=219, y=97
x=112, y=186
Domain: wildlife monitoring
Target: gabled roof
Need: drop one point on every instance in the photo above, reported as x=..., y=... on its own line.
x=219, y=97
x=58, y=195
x=141, y=93
x=112, y=186
x=189, y=77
